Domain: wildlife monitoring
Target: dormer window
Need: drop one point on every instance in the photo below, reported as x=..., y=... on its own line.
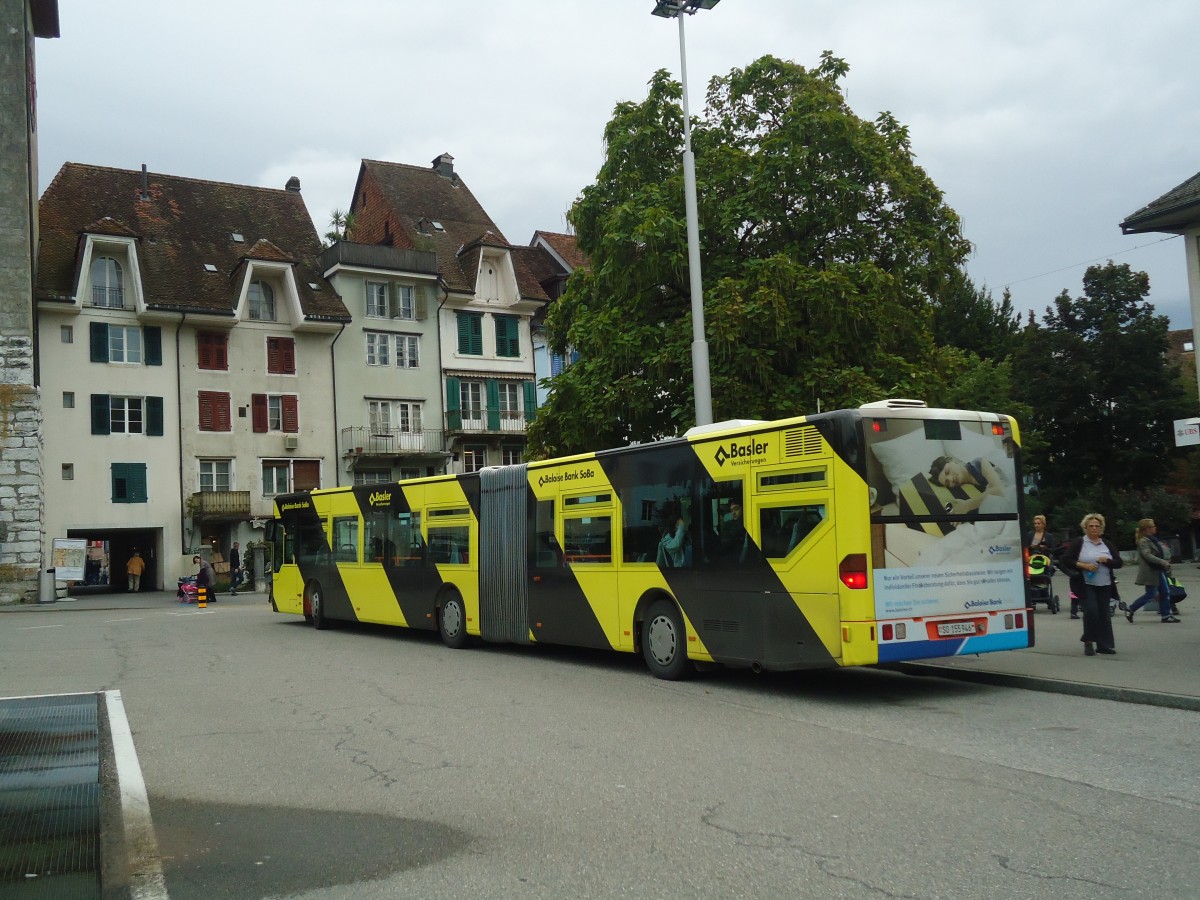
x=261, y=301
x=107, y=285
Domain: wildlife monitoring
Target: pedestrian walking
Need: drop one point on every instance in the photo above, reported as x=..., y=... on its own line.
x=235, y=569
x=1154, y=565
x=1090, y=560
x=134, y=569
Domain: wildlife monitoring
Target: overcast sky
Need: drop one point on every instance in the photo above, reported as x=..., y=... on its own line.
x=1045, y=124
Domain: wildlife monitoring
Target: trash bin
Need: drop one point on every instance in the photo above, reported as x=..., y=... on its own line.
x=47, y=592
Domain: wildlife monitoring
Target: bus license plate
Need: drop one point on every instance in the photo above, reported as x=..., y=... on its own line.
x=947, y=629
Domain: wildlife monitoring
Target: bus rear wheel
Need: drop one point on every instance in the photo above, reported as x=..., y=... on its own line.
x=452, y=622
x=316, y=602
x=664, y=642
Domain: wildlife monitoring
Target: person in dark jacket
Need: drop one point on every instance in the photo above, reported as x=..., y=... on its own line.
x=205, y=576
x=235, y=569
x=1090, y=560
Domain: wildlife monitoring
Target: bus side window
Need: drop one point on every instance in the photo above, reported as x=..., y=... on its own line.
x=345, y=538
x=450, y=544
x=410, y=545
x=588, y=539
x=547, y=554
x=784, y=528
x=310, y=544
x=722, y=529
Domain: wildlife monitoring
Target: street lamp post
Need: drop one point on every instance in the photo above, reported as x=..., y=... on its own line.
x=675, y=9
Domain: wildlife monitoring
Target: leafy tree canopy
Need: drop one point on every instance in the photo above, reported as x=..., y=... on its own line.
x=968, y=318
x=1101, y=392
x=823, y=246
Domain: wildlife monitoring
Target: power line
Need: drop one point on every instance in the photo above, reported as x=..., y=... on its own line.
x=1170, y=237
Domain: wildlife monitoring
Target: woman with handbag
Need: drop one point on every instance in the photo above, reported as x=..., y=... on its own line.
x=1091, y=559
x=1154, y=565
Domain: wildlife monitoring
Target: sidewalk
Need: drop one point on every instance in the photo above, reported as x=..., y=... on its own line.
x=1155, y=664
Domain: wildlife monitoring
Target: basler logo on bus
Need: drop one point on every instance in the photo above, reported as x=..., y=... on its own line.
x=739, y=451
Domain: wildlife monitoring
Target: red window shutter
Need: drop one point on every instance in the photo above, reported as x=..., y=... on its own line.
x=212, y=350
x=291, y=413
x=281, y=356
x=214, y=411
x=258, y=413
x=206, y=411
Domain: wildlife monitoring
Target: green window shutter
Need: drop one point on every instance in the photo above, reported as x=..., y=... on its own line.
x=508, y=341
x=154, y=416
x=152, y=344
x=421, y=301
x=137, y=483
x=491, y=389
x=100, y=420
x=129, y=483
x=470, y=333
x=393, y=300
x=99, y=342
x=464, y=332
x=530, y=400
x=453, y=405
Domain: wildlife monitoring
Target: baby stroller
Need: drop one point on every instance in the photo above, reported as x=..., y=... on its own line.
x=187, y=589
x=1040, y=570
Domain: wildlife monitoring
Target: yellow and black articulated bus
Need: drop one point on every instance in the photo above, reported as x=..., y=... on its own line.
x=847, y=538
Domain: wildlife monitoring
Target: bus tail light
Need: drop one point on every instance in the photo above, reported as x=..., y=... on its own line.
x=853, y=571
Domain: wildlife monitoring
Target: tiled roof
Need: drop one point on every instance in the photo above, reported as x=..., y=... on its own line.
x=1177, y=342
x=420, y=196
x=185, y=224
x=543, y=266
x=565, y=246
x=1173, y=212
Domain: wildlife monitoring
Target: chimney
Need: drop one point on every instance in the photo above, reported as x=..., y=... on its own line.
x=444, y=165
x=145, y=183
x=293, y=185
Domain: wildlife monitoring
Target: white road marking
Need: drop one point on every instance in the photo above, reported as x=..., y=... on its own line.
x=146, y=879
x=36, y=627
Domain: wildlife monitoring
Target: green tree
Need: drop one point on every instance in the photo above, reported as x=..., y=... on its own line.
x=1101, y=392
x=968, y=318
x=823, y=244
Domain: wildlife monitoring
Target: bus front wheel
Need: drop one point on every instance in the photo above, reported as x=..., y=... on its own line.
x=664, y=641
x=452, y=622
x=316, y=602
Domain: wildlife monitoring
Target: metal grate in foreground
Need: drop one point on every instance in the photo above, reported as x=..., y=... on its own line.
x=50, y=797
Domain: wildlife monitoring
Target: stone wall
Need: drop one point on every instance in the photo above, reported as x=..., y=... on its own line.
x=21, y=486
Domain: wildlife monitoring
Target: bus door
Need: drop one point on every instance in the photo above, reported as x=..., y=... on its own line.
x=572, y=578
x=793, y=514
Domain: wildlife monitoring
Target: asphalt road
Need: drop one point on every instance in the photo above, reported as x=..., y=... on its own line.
x=364, y=762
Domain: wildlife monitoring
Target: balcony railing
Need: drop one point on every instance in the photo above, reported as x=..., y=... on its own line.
x=113, y=297
x=218, y=505
x=368, y=441
x=486, y=421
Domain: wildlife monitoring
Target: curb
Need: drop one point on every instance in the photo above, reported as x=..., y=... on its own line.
x=1048, y=686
